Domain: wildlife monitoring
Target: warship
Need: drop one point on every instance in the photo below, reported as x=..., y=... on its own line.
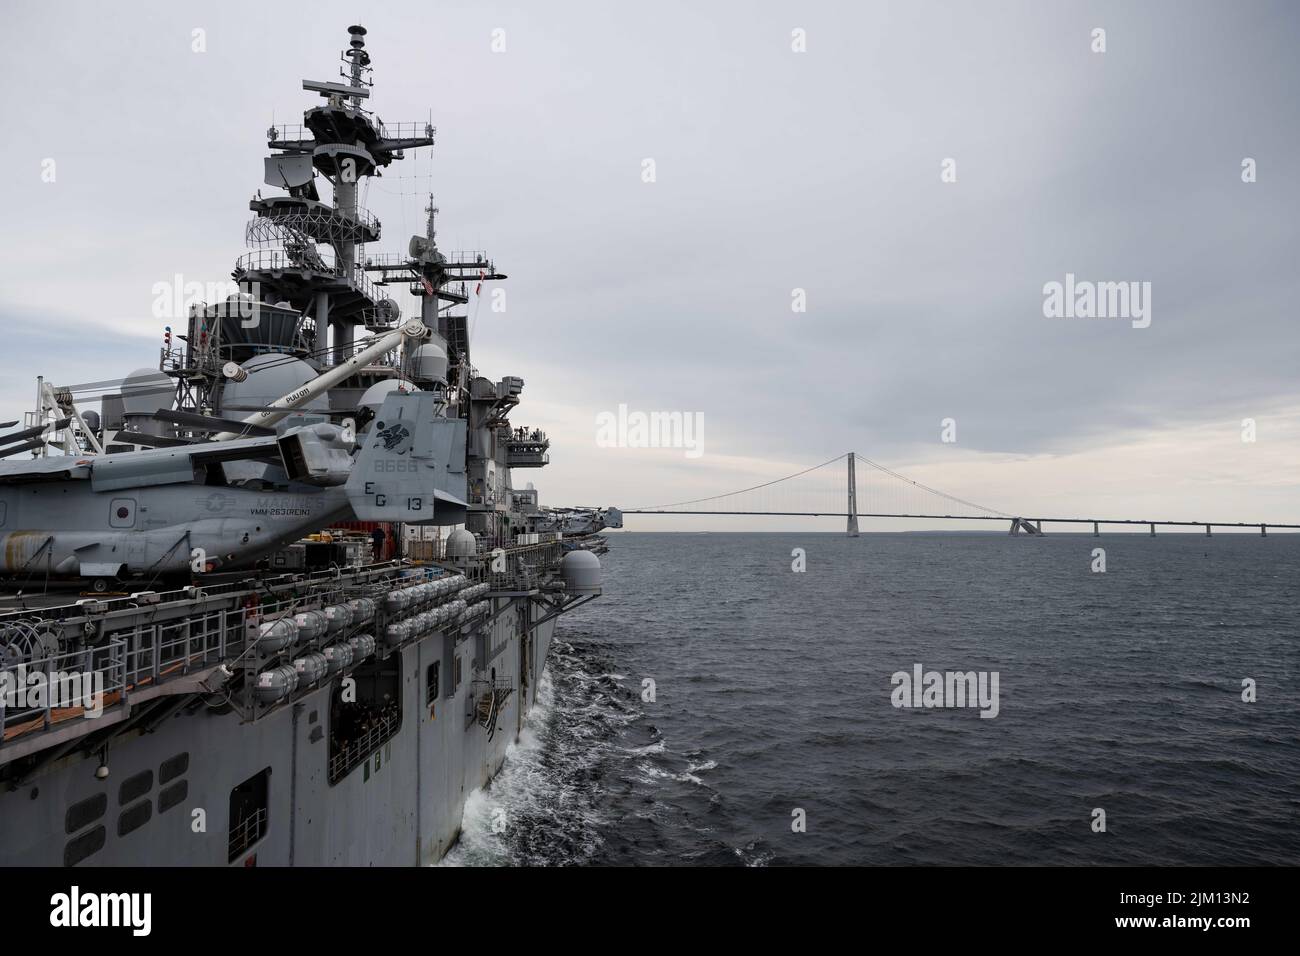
x=277, y=600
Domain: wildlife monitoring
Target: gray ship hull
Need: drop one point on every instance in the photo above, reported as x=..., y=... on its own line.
x=400, y=805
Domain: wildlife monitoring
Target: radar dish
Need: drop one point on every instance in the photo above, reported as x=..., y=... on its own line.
x=288, y=171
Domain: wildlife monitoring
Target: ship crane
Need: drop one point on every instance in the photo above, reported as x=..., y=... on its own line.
x=413, y=330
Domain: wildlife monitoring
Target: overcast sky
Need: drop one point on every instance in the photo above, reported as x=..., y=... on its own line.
x=775, y=170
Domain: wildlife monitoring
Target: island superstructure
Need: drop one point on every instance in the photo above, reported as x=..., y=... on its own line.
x=260, y=684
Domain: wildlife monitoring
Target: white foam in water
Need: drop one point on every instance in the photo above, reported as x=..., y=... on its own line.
x=516, y=789
x=550, y=803
x=655, y=748
x=541, y=806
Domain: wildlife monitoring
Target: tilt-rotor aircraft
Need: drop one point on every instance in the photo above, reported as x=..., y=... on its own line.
x=224, y=502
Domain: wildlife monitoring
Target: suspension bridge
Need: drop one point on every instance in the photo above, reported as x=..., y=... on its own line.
x=868, y=489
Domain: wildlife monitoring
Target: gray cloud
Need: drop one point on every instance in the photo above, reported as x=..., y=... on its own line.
x=775, y=170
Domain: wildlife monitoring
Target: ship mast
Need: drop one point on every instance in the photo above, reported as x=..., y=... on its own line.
x=429, y=300
x=305, y=278
x=307, y=281
x=345, y=186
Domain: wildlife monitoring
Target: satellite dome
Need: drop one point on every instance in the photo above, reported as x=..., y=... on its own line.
x=581, y=570
x=428, y=363
x=145, y=391
x=461, y=544
x=270, y=376
x=373, y=397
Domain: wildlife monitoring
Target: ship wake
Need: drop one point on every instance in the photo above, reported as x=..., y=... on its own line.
x=591, y=779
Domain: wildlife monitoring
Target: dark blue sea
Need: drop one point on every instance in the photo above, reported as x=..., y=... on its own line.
x=1120, y=691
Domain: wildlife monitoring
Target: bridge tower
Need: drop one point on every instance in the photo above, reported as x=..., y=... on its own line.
x=852, y=529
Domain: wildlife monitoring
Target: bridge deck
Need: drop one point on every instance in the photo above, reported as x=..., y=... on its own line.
x=1003, y=518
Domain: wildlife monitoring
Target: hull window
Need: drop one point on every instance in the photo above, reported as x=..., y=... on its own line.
x=359, y=727
x=133, y=788
x=85, y=812
x=169, y=797
x=431, y=682
x=249, y=803
x=134, y=817
x=173, y=768
x=78, y=848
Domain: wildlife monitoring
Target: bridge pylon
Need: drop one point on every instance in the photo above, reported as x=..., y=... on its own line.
x=1025, y=526
x=852, y=529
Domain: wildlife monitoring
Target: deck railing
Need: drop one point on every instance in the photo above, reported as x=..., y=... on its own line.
x=136, y=654
x=35, y=695
x=247, y=832
x=322, y=261
x=355, y=752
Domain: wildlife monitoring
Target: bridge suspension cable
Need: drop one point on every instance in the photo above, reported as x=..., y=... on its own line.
x=822, y=490
x=880, y=492
x=934, y=491
x=729, y=494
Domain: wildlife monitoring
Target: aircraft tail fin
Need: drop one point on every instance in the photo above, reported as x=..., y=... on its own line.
x=411, y=466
